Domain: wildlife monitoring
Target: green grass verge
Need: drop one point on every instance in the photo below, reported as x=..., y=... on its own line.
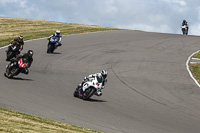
x=195, y=68
x=11, y=28
x=197, y=55
x=16, y=122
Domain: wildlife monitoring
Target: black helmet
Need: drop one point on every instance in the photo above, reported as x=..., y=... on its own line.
x=20, y=38
x=30, y=53
x=104, y=73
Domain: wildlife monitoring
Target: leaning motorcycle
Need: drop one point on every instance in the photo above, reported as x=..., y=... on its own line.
x=12, y=52
x=14, y=68
x=184, y=29
x=89, y=88
x=52, y=45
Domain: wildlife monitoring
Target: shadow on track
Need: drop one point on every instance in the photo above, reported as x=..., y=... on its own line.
x=95, y=100
x=55, y=53
x=18, y=78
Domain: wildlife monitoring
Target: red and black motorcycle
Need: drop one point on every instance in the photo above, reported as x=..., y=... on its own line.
x=14, y=68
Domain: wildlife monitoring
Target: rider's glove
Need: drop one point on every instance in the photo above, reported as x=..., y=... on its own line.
x=85, y=79
x=13, y=59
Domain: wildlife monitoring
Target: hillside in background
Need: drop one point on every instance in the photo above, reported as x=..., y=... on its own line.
x=32, y=29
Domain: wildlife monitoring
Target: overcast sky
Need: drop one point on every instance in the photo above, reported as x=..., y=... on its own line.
x=163, y=16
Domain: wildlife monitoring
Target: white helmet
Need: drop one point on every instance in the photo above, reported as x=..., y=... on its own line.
x=58, y=32
x=104, y=73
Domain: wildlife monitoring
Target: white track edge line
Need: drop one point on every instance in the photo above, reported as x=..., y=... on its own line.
x=187, y=63
x=195, y=58
x=63, y=35
x=194, y=62
x=188, y=68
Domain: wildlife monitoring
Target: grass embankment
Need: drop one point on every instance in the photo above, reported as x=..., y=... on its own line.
x=11, y=28
x=15, y=122
x=195, y=68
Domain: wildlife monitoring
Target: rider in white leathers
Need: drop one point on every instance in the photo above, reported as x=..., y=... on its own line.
x=185, y=26
x=102, y=75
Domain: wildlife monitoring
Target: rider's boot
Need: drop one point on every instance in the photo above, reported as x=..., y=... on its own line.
x=98, y=93
x=25, y=71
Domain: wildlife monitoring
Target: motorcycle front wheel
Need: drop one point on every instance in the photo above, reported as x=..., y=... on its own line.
x=13, y=72
x=9, y=55
x=88, y=93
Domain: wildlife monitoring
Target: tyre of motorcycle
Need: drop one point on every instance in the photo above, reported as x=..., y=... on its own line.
x=13, y=72
x=48, y=48
x=76, y=93
x=10, y=55
x=51, y=48
x=185, y=31
x=89, y=92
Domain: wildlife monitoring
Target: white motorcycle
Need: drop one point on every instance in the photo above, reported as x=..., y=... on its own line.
x=184, y=29
x=89, y=88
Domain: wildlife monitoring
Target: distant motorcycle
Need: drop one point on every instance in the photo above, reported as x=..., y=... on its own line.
x=13, y=69
x=14, y=50
x=52, y=45
x=89, y=88
x=184, y=29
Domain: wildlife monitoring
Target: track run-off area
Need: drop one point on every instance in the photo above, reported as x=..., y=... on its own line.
x=149, y=89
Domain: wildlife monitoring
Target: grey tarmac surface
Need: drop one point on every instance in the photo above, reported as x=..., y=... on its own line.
x=149, y=89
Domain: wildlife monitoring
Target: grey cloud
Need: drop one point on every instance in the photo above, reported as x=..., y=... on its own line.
x=148, y=15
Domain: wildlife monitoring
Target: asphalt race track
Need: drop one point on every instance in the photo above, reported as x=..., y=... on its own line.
x=149, y=89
